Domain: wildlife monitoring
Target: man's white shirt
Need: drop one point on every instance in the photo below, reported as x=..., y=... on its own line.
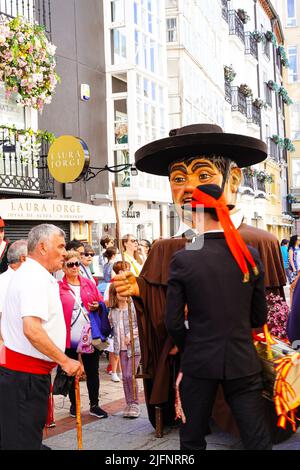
x=32, y=292
x=5, y=279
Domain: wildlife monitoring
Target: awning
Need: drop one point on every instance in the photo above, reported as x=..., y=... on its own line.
x=41, y=209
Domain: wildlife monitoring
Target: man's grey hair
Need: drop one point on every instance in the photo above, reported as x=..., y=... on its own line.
x=42, y=232
x=16, y=250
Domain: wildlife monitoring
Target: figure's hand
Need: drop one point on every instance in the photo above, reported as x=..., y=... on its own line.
x=93, y=306
x=72, y=367
x=173, y=351
x=126, y=284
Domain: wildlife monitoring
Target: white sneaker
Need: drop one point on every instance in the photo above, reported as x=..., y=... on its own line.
x=115, y=377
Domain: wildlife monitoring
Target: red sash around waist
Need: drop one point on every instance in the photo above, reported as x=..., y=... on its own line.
x=20, y=362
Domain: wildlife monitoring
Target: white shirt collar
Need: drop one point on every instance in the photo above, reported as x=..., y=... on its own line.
x=42, y=268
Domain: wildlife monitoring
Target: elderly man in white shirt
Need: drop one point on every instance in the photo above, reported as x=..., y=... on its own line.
x=34, y=334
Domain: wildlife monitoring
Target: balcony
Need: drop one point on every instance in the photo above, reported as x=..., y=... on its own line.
x=228, y=91
x=248, y=182
x=279, y=103
x=225, y=10
x=274, y=151
x=251, y=45
x=236, y=26
x=32, y=10
x=268, y=95
x=238, y=101
x=253, y=113
x=23, y=165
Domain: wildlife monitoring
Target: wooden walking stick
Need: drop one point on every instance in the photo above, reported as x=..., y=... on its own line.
x=78, y=414
x=129, y=300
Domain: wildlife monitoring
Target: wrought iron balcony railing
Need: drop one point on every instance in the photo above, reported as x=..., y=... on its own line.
x=23, y=165
x=261, y=185
x=32, y=10
x=227, y=91
x=266, y=48
x=236, y=26
x=251, y=45
x=238, y=101
x=253, y=113
x=248, y=180
x=225, y=10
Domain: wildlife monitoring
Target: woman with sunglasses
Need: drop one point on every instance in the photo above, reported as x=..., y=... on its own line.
x=86, y=261
x=79, y=296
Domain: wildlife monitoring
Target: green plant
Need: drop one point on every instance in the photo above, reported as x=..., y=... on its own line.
x=259, y=103
x=291, y=199
x=278, y=140
x=273, y=86
x=283, y=57
x=243, y=15
x=270, y=36
x=229, y=73
x=285, y=97
x=288, y=145
x=245, y=90
x=258, y=36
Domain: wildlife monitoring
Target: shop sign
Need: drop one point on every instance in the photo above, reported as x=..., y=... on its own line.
x=40, y=209
x=68, y=159
x=130, y=213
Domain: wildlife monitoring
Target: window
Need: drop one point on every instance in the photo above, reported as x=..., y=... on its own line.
x=293, y=64
x=291, y=13
x=118, y=46
x=171, y=29
x=117, y=11
x=296, y=172
x=295, y=121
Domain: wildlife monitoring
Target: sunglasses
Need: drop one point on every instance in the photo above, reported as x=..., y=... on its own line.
x=88, y=254
x=133, y=241
x=73, y=264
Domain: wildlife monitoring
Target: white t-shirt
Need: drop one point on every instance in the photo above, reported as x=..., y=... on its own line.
x=4, y=282
x=32, y=292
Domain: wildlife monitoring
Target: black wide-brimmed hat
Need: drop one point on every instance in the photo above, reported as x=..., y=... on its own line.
x=197, y=140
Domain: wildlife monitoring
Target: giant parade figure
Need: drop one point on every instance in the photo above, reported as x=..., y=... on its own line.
x=191, y=155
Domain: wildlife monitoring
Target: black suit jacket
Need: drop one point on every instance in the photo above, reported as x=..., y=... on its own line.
x=222, y=310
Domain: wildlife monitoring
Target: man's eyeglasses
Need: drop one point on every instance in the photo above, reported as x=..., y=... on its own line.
x=73, y=264
x=89, y=254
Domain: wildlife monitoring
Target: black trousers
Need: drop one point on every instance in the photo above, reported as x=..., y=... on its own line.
x=23, y=409
x=243, y=395
x=91, y=367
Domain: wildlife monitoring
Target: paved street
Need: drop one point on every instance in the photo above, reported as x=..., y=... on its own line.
x=117, y=433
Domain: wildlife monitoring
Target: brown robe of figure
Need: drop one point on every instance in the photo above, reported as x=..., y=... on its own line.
x=158, y=366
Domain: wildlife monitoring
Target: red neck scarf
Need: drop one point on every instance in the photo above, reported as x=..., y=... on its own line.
x=233, y=238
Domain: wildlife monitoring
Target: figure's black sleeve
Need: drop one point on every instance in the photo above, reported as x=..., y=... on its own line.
x=259, y=309
x=176, y=300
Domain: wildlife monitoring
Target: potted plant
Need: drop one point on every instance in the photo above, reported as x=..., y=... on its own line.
x=245, y=90
x=258, y=36
x=288, y=145
x=285, y=97
x=259, y=103
x=283, y=57
x=242, y=14
x=278, y=140
x=229, y=73
x=270, y=36
x=273, y=86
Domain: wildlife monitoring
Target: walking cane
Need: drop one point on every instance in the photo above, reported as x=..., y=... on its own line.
x=78, y=414
x=129, y=300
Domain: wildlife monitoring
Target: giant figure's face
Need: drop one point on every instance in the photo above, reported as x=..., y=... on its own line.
x=185, y=176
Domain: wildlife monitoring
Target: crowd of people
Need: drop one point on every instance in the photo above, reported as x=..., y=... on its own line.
x=52, y=314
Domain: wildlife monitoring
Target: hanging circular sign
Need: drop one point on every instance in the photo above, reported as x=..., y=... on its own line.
x=68, y=159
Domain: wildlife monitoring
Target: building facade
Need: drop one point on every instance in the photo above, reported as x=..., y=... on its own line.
x=222, y=58
x=291, y=24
